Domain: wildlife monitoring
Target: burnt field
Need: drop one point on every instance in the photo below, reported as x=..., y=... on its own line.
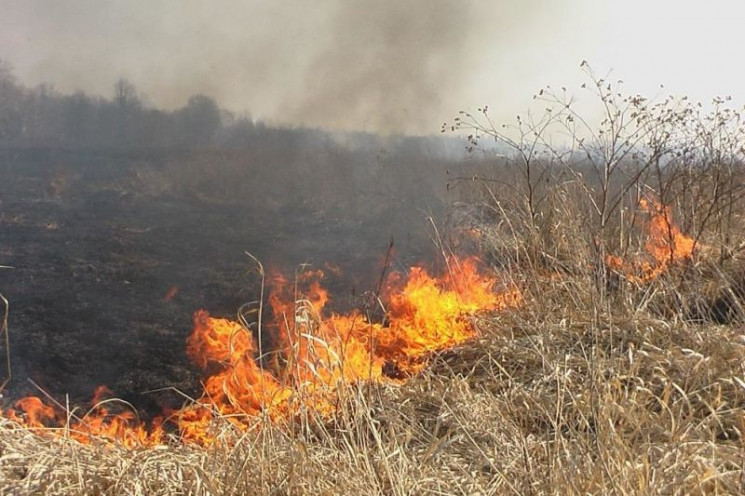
x=594, y=344
x=111, y=253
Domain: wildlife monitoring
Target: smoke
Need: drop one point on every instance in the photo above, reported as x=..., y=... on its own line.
x=387, y=65
x=383, y=65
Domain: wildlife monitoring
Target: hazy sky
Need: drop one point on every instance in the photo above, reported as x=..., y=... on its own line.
x=377, y=65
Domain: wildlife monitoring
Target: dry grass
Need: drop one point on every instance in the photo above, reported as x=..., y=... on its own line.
x=559, y=397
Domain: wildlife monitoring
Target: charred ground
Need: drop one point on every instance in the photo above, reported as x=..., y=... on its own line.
x=99, y=242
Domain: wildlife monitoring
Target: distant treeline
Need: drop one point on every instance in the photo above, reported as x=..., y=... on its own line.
x=42, y=117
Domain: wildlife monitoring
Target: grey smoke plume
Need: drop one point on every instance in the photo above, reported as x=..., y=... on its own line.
x=387, y=65
x=382, y=65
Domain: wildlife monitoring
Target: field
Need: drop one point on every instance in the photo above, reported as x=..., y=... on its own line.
x=606, y=358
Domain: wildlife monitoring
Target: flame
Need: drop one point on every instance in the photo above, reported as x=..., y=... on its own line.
x=322, y=353
x=317, y=355
x=666, y=246
x=100, y=423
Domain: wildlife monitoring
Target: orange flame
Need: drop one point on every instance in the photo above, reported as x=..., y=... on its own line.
x=99, y=423
x=323, y=353
x=318, y=354
x=666, y=246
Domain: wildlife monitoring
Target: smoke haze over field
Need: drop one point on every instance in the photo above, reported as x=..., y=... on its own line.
x=378, y=66
x=381, y=66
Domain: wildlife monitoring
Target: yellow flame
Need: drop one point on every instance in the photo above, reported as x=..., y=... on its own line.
x=319, y=354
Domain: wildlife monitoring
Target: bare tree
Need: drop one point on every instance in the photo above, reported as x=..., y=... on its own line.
x=125, y=94
x=199, y=120
x=11, y=96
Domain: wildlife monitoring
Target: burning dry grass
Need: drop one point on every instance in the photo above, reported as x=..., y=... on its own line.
x=598, y=367
x=318, y=355
x=555, y=398
x=582, y=389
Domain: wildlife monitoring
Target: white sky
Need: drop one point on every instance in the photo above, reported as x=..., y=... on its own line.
x=378, y=65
